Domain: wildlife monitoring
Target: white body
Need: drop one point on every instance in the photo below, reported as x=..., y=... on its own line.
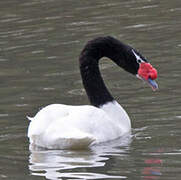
x=60, y=126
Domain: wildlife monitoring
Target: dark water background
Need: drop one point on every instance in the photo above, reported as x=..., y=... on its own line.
x=40, y=41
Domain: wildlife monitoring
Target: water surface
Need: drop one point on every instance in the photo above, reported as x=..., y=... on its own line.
x=40, y=42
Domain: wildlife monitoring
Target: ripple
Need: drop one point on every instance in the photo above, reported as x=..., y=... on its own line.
x=37, y=51
x=53, y=164
x=78, y=92
x=2, y=60
x=53, y=18
x=26, y=21
x=83, y=23
x=84, y=175
x=178, y=117
x=8, y=20
x=175, y=9
x=22, y=105
x=145, y=7
x=70, y=42
x=138, y=26
x=65, y=73
x=43, y=30
x=48, y=89
x=53, y=74
x=4, y=115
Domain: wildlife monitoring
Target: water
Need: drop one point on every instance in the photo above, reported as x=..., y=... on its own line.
x=40, y=42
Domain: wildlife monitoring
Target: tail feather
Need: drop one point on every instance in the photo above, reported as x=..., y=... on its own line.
x=29, y=118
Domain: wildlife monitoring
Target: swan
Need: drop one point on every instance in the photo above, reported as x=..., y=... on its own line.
x=59, y=126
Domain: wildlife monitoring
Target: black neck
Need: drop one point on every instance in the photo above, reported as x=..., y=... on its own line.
x=89, y=60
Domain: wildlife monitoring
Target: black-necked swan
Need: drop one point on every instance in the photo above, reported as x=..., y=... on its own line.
x=59, y=126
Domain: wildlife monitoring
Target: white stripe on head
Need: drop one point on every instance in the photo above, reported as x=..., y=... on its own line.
x=138, y=58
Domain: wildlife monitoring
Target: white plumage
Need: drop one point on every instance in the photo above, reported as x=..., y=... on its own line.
x=60, y=126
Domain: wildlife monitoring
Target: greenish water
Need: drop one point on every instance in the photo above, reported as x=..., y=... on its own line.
x=40, y=41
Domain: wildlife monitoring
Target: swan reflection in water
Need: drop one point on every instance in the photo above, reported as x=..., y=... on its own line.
x=57, y=164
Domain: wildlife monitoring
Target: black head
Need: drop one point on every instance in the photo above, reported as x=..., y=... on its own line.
x=128, y=58
x=123, y=55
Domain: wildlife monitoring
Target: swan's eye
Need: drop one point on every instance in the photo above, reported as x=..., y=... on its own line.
x=139, y=61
